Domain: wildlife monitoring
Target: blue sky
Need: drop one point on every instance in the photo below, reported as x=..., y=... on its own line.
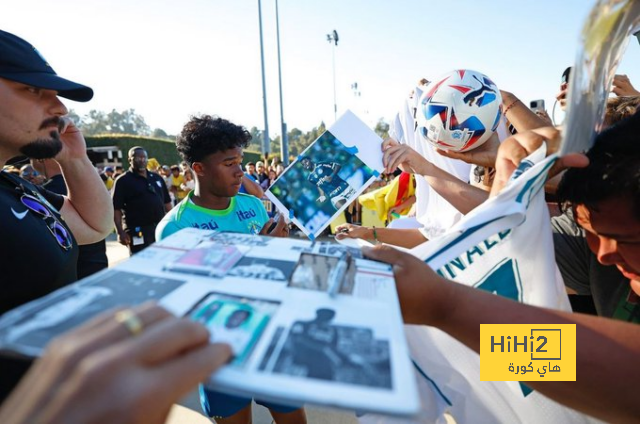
x=169, y=59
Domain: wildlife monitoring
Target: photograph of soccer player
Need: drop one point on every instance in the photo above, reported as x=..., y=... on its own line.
x=324, y=180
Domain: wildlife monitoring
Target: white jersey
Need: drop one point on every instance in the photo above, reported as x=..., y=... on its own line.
x=432, y=211
x=504, y=246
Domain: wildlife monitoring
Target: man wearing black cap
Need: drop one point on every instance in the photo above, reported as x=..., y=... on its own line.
x=41, y=230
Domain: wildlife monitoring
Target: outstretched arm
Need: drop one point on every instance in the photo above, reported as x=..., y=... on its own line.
x=100, y=372
x=606, y=357
x=403, y=237
x=520, y=116
x=463, y=196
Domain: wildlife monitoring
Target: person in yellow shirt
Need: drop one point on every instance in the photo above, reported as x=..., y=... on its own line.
x=177, y=182
x=153, y=165
x=108, y=177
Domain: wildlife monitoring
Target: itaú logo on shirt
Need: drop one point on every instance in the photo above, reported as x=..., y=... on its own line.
x=211, y=225
x=243, y=215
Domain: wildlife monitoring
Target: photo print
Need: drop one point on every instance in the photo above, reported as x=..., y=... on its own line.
x=313, y=272
x=320, y=349
x=238, y=321
x=338, y=250
x=262, y=269
x=328, y=175
x=71, y=307
x=209, y=258
x=240, y=239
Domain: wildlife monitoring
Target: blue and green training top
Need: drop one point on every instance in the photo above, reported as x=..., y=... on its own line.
x=245, y=214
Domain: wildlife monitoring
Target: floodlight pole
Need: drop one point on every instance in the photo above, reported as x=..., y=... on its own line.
x=284, y=137
x=333, y=37
x=265, y=142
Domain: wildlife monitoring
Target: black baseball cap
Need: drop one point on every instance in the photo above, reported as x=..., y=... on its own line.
x=21, y=62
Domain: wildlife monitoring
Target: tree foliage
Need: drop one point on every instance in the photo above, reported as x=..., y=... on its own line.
x=126, y=122
x=160, y=133
x=256, y=140
x=299, y=140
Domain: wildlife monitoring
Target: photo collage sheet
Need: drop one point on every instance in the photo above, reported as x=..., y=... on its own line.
x=308, y=322
x=328, y=175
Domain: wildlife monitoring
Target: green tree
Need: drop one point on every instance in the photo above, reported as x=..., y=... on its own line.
x=274, y=144
x=75, y=118
x=114, y=122
x=159, y=133
x=127, y=122
x=294, y=140
x=256, y=140
x=94, y=122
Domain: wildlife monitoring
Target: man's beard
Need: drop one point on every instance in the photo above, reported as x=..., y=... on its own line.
x=43, y=148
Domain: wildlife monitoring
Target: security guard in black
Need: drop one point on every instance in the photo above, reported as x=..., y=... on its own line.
x=143, y=199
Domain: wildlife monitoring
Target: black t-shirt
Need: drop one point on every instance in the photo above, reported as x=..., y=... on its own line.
x=32, y=262
x=91, y=257
x=140, y=199
x=581, y=271
x=56, y=184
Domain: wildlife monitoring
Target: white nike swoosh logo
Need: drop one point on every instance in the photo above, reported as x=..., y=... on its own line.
x=19, y=215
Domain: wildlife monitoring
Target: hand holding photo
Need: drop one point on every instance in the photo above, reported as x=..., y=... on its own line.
x=237, y=321
x=330, y=174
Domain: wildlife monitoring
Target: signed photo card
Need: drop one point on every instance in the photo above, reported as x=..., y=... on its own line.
x=329, y=175
x=238, y=321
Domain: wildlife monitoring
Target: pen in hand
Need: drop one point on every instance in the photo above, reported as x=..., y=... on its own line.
x=337, y=275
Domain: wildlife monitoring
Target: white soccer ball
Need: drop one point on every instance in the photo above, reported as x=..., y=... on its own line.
x=459, y=111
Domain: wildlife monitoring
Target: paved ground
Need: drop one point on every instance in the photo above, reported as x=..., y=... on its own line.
x=188, y=411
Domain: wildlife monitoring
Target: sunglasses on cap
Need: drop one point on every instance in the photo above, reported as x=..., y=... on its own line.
x=56, y=228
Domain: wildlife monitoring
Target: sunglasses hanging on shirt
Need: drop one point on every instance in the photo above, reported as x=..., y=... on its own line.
x=35, y=203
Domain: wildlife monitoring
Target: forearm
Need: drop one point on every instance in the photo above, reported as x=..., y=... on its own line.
x=88, y=208
x=117, y=220
x=604, y=386
x=406, y=203
x=462, y=196
x=520, y=116
x=407, y=238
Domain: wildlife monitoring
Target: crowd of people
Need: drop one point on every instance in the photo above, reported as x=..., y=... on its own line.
x=116, y=367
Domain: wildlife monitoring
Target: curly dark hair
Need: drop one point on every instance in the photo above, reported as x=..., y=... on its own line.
x=206, y=134
x=613, y=171
x=619, y=108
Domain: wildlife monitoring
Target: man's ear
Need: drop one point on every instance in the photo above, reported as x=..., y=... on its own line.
x=198, y=168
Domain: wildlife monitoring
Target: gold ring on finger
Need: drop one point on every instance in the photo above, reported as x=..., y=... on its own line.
x=130, y=320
